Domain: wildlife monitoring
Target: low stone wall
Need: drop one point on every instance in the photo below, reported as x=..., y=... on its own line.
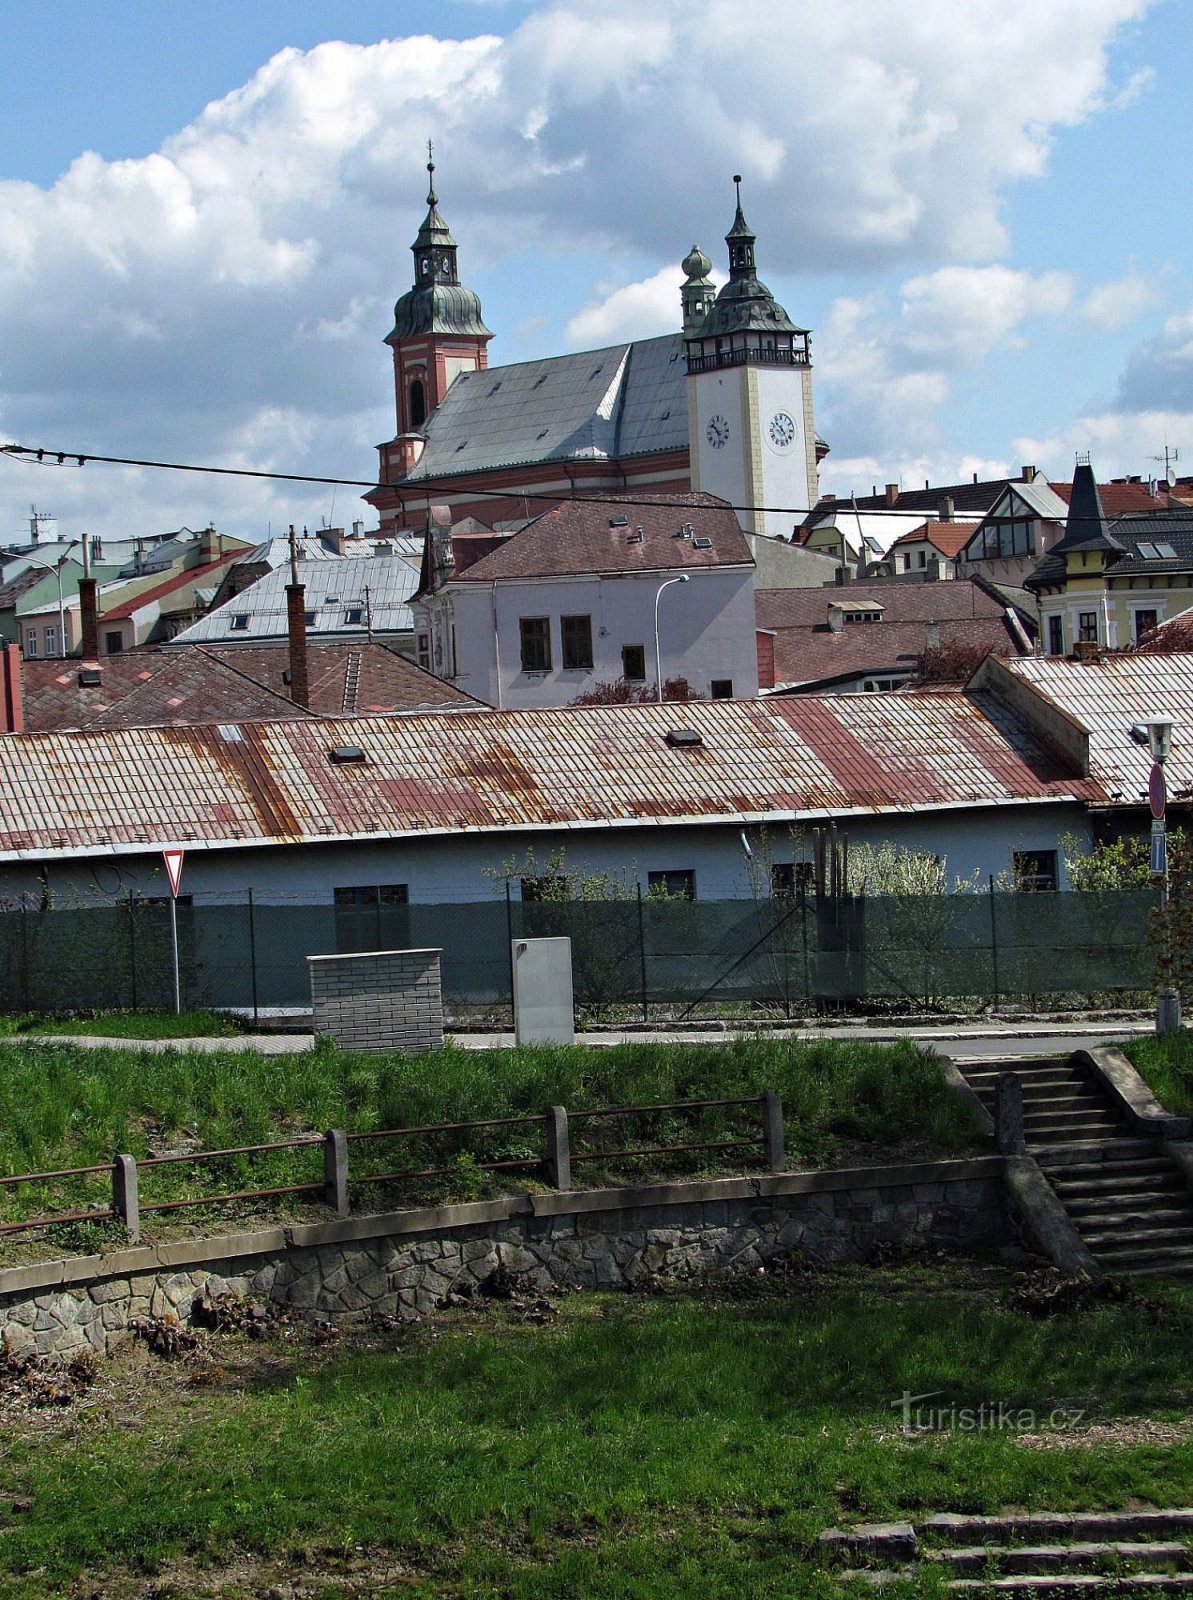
x=404, y=1263
x=381, y=1000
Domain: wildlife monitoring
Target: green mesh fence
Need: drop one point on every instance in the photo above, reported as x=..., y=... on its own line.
x=785, y=954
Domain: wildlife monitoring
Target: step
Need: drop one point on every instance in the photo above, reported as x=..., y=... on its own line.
x=1106, y=1243
x=1051, y=1527
x=1139, y=1254
x=1132, y=1219
x=1054, y=1083
x=1082, y=1556
x=1119, y=1151
x=1129, y=1198
x=1065, y=1583
x=1160, y=1179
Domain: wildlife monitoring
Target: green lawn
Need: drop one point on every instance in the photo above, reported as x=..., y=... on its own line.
x=64, y=1106
x=657, y=1448
x=1166, y=1062
x=127, y=1025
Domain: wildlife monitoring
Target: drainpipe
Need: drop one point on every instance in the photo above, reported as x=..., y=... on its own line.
x=497, y=647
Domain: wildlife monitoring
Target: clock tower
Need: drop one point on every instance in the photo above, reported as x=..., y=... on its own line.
x=751, y=434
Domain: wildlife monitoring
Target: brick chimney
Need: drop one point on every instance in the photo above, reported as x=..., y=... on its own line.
x=89, y=619
x=892, y=494
x=209, y=545
x=12, y=704
x=296, y=630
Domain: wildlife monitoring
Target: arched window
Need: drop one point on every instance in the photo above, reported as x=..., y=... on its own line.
x=418, y=404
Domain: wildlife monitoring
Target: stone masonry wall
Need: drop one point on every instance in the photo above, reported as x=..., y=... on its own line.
x=404, y=1263
x=382, y=1000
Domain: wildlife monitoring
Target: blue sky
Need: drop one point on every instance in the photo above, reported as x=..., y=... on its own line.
x=981, y=211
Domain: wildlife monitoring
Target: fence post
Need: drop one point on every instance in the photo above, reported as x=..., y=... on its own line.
x=132, y=946
x=25, y=957
x=993, y=944
x=772, y=1130
x=126, y=1203
x=335, y=1171
x=253, y=957
x=642, y=954
x=509, y=949
x=559, y=1149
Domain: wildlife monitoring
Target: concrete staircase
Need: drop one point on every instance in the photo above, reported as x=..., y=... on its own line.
x=1127, y=1200
x=1036, y=1554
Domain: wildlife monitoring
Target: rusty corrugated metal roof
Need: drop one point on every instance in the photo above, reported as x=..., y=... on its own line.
x=220, y=786
x=1107, y=697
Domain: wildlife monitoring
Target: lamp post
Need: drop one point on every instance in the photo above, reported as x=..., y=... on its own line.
x=658, y=666
x=1159, y=742
x=57, y=574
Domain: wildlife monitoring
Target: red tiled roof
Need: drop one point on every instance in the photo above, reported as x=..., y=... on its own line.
x=194, y=684
x=950, y=538
x=947, y=600
x=1117, y=497
x=817, y=655
x=579, y=537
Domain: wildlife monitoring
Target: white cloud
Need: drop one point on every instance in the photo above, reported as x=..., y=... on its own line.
x=178, y=305
x=1111, y=306
x=632, y=311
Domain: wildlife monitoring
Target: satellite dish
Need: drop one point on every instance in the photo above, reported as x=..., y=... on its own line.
x=1171, y=477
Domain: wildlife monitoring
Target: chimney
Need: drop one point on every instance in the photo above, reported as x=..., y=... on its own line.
x=209, y=545
x=1028, y=474
x=1086, y=651
x=296, y=629
x=89, y=619
x=947, y=509
x=12, y=708
x=932, y=636
x=836, y=616
x=335, y=538
x=892, y=493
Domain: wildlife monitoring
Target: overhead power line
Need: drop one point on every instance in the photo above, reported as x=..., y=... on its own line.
x=61, y=458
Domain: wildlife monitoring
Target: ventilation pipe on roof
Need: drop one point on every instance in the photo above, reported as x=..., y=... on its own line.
x=12, y=704
x=89, y=619
x=836, y=616
x=296, y=630
x=932, y=636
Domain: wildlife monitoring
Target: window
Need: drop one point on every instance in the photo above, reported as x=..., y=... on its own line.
x=633, y=663
x=998, y=540
x=354, y=615
x=113, y=644
x=239, y=622
x=310, y=618
x=787, y=878
x=548, y=886
x=1034, y=869
x=31, y=642
x=676, y=884
x=373, y=894
x=418, y=404
x=721, y=688
x=1056, y=637
x=1087, y=627
x=879, y=685
x=921, y=558
x=1145, y=621
x=422, y=645
x=51, y=641
x=536, y=644
x=576, y=635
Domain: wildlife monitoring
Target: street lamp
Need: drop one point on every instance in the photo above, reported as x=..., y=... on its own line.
x=658, y=666
x=57, y=573
x=1159, y=743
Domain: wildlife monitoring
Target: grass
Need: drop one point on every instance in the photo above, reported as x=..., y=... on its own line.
x=201, y=1024
x=649, y=1447
x=1165, y=1061
x=64, y=1106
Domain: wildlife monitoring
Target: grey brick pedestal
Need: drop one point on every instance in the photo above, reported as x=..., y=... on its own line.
x=379, y=1000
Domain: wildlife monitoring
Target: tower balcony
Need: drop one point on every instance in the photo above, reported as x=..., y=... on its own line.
x=748, y=355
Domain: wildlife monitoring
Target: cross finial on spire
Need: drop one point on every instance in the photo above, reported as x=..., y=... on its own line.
x=431, y=200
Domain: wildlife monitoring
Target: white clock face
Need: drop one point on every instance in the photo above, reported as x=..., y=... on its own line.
x=782, y=430
x=717, y=432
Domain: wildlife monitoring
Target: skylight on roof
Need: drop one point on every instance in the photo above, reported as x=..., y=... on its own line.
x=1147, y=551
x=239, y=622
x=1166, y=551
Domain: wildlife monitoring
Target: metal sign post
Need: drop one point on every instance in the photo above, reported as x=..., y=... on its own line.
x=173, y=860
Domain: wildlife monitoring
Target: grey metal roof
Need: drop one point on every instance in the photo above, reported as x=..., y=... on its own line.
x=625, y=400
x=333, y=589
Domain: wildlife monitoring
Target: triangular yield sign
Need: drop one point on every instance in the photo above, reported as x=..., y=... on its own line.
x=173, y=860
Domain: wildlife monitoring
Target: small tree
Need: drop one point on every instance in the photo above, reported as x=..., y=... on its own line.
x=622, y=692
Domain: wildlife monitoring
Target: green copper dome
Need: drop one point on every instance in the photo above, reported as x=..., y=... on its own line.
x=438, y=302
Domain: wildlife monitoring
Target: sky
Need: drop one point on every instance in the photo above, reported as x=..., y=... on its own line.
x=983, y=212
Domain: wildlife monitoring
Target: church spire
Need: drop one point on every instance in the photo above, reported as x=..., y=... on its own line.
x=437, y=303
x=741, y=240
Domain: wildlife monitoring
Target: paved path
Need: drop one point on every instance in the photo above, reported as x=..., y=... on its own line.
x=964, y=1041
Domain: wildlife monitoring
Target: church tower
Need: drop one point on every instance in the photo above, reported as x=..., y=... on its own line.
x=437, y=333
x=750, y=428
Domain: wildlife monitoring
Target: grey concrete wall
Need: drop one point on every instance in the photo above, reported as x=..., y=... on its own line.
x=382, y=1000
x=404, y=1263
